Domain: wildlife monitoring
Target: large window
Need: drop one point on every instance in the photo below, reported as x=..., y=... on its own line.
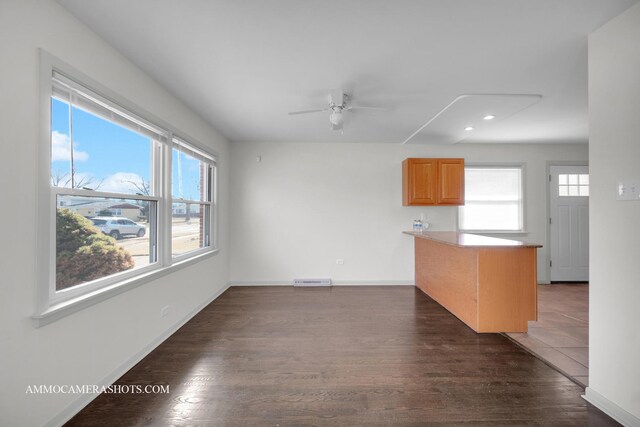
x=192, y=196
x=493, y=199
x=102, y=167
x=127, y=195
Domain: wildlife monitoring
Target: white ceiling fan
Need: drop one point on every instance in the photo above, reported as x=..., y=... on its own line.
x=338, y=104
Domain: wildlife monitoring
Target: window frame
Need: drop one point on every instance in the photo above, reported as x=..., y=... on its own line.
x=523, y=173
x=183, y=146
x=52, y=304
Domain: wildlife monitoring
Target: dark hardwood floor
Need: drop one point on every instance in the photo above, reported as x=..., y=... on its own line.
x=342, y=356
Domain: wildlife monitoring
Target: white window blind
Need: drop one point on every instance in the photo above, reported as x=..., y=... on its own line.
x=493, y=199
x=84, y=98
x=192, y=151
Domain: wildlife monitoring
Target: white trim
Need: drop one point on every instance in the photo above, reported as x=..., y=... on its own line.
x=65, y=191
x=81, y=291
x=333, y=283
x=260, y=283
x=190, y=202
x=191, y=254
x=83, y=400
x=374, y=283
x=214, y=225
x=608, y=407
x=67, y=307
x=165, y=213
x=45, y=227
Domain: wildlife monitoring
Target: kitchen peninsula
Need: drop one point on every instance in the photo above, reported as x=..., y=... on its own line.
x=488, y=283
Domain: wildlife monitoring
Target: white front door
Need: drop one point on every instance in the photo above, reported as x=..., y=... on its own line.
x=569, y=222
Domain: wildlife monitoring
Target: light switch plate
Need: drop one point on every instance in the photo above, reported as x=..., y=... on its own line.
x=628, y=189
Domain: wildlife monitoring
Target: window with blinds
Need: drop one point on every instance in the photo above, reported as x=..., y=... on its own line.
x=192, y=196
x=493, y=199
x=129, y=196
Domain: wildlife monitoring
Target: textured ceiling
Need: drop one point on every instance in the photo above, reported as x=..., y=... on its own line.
x=242, y=65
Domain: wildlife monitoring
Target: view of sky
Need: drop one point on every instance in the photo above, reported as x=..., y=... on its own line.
x=108, y=157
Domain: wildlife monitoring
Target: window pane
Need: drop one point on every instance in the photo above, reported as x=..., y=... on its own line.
x=493, y=199
x=492, y=184
x=573, y=190
x=490, y=216
x=189, y=227
x=584, y=179
x=563, y=190
x=189, y=177
x=91, y=243
x=573, y=179
x=60, y=148
x=563, y=179
x=584, y=190
x=106, y=156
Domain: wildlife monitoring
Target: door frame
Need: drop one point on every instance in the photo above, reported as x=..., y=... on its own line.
x=548, y=193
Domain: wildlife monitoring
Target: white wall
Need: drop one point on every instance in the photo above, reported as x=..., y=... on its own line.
x=306, y=205
x=614, y=149
x=90, y=345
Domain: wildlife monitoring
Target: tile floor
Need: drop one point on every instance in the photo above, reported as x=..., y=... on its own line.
x=561, y=335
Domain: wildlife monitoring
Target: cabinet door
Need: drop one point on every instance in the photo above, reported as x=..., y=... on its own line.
x=451, y=182
x=420, y=182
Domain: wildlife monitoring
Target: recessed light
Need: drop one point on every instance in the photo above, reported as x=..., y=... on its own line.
x=489, y=117
x=468, y=128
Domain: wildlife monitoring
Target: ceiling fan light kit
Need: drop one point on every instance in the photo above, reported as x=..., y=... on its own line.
x=338, y=104
x=336, y=118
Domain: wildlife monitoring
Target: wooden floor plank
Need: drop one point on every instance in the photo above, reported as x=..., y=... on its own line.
x=341, y=356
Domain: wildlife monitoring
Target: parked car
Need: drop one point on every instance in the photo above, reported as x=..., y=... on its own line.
x=117, y=227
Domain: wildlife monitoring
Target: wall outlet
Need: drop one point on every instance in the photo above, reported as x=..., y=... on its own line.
x=340, y=261
x=164, y=311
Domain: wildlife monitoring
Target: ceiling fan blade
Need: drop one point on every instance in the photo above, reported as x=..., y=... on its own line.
x=362, y=107
x=292, y=113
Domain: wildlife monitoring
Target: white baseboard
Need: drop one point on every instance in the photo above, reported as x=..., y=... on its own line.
x=336, y=283
x=260, y=283
x=374, y=283
x=608, y=407
x=83, y=400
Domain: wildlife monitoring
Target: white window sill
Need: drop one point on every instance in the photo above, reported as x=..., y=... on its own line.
x=63, y=309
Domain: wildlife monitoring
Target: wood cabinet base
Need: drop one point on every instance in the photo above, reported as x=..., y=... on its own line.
x=491, y=289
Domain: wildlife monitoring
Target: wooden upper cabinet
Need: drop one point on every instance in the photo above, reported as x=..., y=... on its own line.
x=451, y=181
x=419, y=182
x=427, y=182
